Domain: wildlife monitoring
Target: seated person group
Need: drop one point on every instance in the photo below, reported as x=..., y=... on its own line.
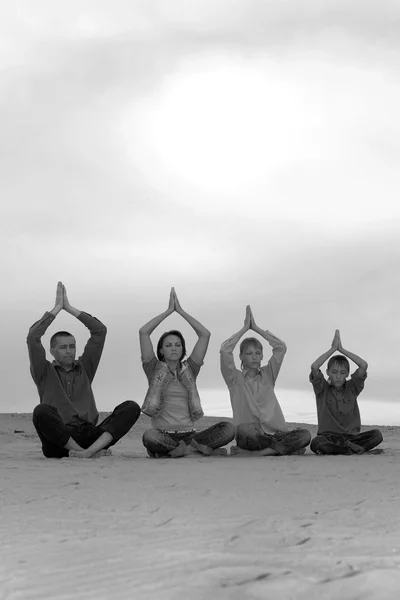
x=66, y=419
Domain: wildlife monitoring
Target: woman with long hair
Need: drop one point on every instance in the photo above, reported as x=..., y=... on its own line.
x=172, y=400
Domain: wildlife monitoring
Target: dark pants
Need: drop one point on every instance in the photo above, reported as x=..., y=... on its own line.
x=338, y=443
x=249, y=436
x=161, y=442
x=54, y=434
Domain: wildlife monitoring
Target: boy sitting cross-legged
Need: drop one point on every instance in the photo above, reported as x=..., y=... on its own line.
x=339, y=420
x=261, y=428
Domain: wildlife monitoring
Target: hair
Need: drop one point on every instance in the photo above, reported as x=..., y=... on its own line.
x=340, y=360
x=251, y=341
x=53, y=339
x=161, y=341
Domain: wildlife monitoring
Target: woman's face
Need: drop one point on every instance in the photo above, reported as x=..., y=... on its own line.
x=172, y=348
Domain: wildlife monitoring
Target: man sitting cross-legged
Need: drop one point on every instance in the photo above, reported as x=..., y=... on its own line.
x=66, y=418
x=260, y=425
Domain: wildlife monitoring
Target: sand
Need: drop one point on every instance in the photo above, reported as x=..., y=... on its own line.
x=129, y=527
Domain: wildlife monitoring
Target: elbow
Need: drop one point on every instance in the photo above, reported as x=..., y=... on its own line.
x=207, y=334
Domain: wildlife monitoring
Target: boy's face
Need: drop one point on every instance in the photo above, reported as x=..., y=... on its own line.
x=337, y=374
x=251, y=357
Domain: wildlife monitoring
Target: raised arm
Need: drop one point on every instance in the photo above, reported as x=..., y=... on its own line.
x=37, y=354
x=228, y=367
x=146, y=346
x=317, y=364
x=278, y=347
x=360, y=362
x=200, y=348
x=94, y=346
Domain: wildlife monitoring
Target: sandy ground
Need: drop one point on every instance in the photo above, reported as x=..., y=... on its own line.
x=126, y=526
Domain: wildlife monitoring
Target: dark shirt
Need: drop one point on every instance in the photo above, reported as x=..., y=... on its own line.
x=337, y=409
x=69, y=391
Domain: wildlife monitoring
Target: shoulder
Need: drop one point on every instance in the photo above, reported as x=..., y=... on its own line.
x=194, y=364
x=317, y=376
x=149, y=365
x=356, y=376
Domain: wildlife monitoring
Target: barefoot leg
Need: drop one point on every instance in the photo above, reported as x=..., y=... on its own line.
x=206, y=450
x=181, y=450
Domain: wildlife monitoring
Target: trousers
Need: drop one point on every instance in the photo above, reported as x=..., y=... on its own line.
x=338, y=443
x=250, y=436
x=216, y=436
x=54, y=434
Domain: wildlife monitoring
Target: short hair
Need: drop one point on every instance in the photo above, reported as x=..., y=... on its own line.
x=161, y=341
x=251, y=341
x=340, y=360
x=53, y=339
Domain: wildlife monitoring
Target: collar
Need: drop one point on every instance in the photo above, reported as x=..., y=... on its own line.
x=246, y=371
x=56, y=364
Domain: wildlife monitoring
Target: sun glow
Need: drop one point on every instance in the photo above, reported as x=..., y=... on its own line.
x=224, y=126
x=281, y=140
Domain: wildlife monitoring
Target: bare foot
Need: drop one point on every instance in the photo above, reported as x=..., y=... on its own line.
x=236, y=451
x=355, y=448
x=88, y=454
x=202, y=448
x=219, y=452
x=301, y=451
x=180, y=450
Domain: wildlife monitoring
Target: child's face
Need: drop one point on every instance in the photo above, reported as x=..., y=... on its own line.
x=251, y=357
x=337, y=374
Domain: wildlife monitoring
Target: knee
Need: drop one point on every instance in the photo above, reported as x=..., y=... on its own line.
x=305, y=436
x=150, y=436
x=131, y=409
x=378, y=437
x=244, y=429
x=229, y=430
x=315, y=444
x=42, y=411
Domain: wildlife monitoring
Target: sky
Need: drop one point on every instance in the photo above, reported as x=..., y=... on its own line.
x=243, y=151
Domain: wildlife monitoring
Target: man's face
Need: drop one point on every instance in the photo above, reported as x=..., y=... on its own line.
x=64, y=351
x=337, y=374
x=251, y=357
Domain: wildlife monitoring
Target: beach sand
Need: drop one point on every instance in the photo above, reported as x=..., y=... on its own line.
x=126, y=526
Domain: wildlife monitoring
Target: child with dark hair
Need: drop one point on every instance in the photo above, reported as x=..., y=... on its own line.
x=339, y=422
x=172, y=400
x=261, y=428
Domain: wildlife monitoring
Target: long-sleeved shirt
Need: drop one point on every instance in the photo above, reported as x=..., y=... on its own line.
x=253, y=400
x=69, y=391
x=337, y=409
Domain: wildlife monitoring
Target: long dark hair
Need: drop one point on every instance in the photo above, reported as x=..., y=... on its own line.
x=161, y=341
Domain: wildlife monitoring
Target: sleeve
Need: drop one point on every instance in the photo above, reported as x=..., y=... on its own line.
x=194, y=365
x=275, y=362
x=318, y=382
x=95, y=344
x=357, y=381
x=149, y=367
x=37, y=354
x=227, y=362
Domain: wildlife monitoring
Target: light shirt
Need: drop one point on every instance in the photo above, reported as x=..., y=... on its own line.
x=253, y=399
x=175, y=413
